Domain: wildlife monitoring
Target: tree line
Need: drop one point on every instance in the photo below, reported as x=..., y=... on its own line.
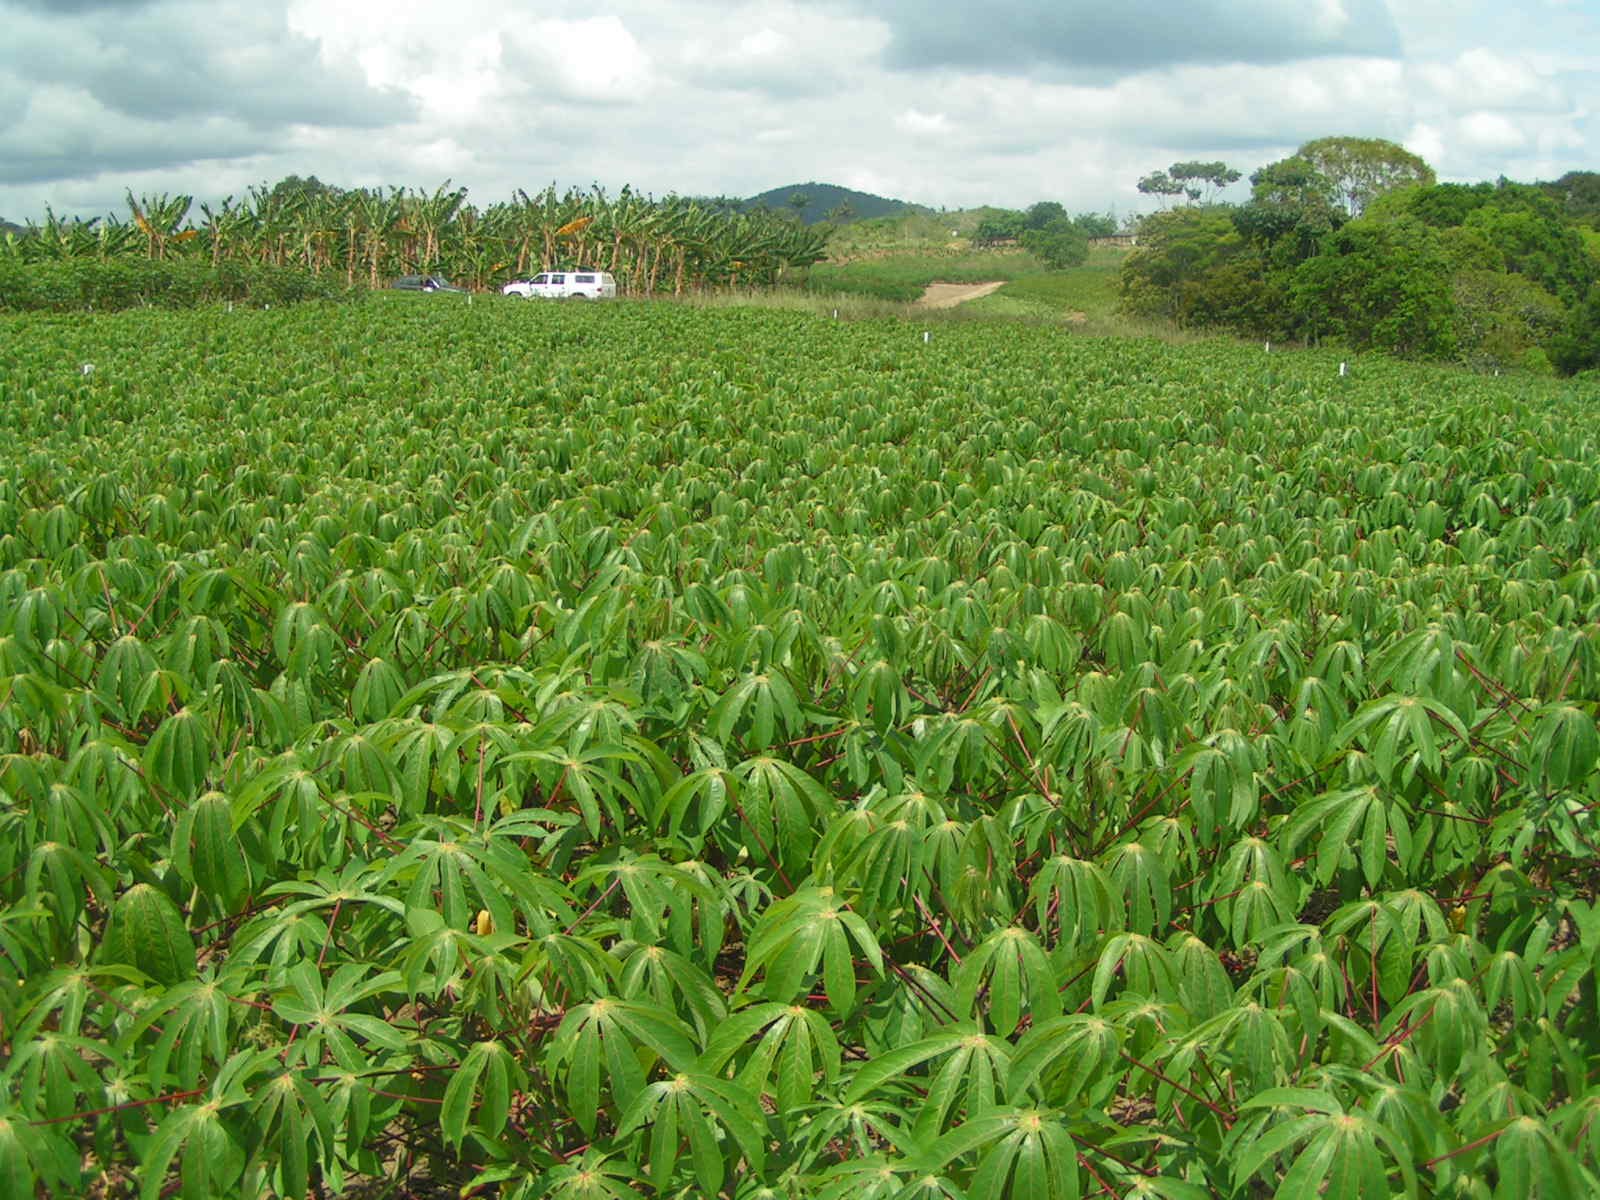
x=1354, y=240
x=366, y=236
x=1055, y=238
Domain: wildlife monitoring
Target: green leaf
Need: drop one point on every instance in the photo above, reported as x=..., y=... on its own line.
x=146, y=931
x=178, y=757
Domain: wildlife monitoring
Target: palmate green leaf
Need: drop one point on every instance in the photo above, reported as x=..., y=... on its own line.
x=325, y=1010
x=1397, y=729
x=1143, y=963
x=653, y=887
x=886, y=868
x=17, y=1171
x=796, y=934
x=1022, y=1152
x=203, y=1139
x=63, y=878
x=451, y=867
x=1166, y=1189
x=127, y=678
x=1381, y=941
x=1222, y=786
x=695, y=803
x=654, y=973
x=1565, y=747
x=1144, y=880
x=206, y=849
x=1449, y=1021
x=295, y=1129
x=146, y=931
x=377, y=692
x=1014, y=970
x=781, y=806
x=178, y=756
x=970, y=1080
x=1075, y=898
x=877, y=1177
x=1342, y=1154
x=57, y=1074
x=586, y=777
x=610, y=1033
x=489, y=1075
x=1203, y=984
x=878, y=696
x=593, y=1177
x=1358, y=820
x=194, y=1021
x=764, y=703
x=34, y=1154
x=1531, y=1162
x=797, y=1046
x=1067, y=1056
x=692, y=1107
x=1253, y=891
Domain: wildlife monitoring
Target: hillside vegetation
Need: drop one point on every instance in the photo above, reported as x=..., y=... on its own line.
x=829, y=202
x=1354, y=242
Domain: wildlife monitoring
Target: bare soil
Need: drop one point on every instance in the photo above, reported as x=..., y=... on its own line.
x=948, y=295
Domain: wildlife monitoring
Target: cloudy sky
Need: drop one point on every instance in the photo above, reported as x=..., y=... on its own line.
x=933, y=101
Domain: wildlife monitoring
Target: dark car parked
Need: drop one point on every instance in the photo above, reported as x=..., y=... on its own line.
x=424, y=283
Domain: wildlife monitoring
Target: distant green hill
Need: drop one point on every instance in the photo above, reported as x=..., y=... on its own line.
x=823, y=199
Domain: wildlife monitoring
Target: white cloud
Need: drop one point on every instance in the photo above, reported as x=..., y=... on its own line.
x=595, y=59
x=937, y=102
x=1491, y=131
x=1491, y=78
x=915, y=121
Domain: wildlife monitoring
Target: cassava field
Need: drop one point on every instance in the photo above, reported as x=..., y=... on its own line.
x=639, y=751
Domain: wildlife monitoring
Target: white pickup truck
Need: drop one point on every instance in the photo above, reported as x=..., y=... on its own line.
x=564, y=285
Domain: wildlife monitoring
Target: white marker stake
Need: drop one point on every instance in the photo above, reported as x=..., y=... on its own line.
x=926, y=337
x=1268, y=347
x=836, y=314
x=1341, y=370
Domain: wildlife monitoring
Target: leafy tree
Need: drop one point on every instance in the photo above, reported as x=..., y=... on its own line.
x=1044, y=214
x=1504, y=319
x=1290, y=210
x=1095, y=225
x=1203, y=181
x=1359, y=170
x=1060, y=244
x=1195, y=269
x=1380, y=284
x=1002, y=225
x=1197, y=182
x=1516, y=228
x=293, y=189
x=1578, y=346
x=1162, y=186
x=1578, y=194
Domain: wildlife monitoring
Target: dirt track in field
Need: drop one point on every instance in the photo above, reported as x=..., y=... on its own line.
x=948, y=295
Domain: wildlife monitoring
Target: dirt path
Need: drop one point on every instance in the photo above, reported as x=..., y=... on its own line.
x=948, y=295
